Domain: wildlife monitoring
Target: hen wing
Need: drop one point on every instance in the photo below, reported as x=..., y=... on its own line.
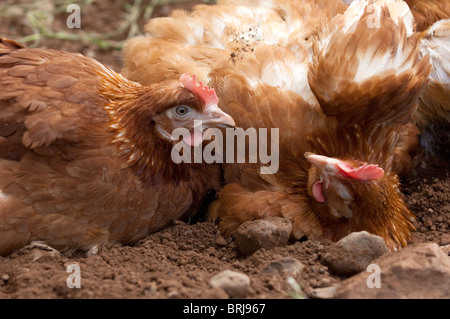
x=366, y=69
x=434, y=102
x=48, y=95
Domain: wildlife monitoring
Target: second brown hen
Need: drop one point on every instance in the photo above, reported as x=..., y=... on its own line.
x=338, y=159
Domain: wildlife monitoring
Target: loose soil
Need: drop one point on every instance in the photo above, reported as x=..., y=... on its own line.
x=178, y=261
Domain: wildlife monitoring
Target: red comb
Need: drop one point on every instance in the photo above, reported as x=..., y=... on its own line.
x=365, y=172
x=207, y=94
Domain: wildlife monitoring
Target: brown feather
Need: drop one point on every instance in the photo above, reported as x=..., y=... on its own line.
x=346, y=77
x=427, y=12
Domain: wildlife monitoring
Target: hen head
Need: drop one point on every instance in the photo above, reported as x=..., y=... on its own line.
x=351, y=195
x=194, y=103
x=144, y=118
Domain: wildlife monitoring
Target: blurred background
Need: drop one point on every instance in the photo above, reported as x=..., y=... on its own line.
x=105, y=24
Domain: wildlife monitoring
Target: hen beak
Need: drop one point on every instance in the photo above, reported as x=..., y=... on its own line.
x=320, y=162
x=215, y=117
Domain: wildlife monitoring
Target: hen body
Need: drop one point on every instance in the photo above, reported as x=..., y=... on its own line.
x=83, y=156
x=342, y=97
x=351, y=125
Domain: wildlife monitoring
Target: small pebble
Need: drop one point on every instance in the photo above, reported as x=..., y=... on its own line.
x=285, y=266
x=324, y=282
x=173, y=294
x=323, y=293
x=220, y=241
x=262, y=233
x=235, y=284
x=446, y=249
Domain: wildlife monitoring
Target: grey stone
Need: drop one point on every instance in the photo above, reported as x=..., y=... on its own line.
x=235, y=284
x=262, y=233
x=323, y=293
x=417, y=272
x=284, y=266
x=353, y=253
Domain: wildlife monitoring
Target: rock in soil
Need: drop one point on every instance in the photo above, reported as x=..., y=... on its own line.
x=323, y=293
x=262, y=233
x=353, y=253
x=418, y=271
x=446, y=249
x=235, y=284
x=287, y=266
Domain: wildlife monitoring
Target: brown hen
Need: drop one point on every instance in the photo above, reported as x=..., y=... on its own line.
x=338, y=162
x=85, y=154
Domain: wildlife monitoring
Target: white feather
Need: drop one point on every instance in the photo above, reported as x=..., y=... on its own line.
x=4, y=197
x=437, y=45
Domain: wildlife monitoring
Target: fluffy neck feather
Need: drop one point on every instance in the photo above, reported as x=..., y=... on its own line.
x=131, y=108
x=143, y=149
x=384, y=212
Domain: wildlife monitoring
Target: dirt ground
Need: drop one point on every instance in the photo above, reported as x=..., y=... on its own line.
x=179, y=261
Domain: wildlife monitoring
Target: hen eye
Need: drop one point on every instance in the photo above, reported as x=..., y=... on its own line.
x=182, y=110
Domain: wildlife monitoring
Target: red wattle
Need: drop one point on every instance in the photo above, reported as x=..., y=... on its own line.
x=317, y=191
